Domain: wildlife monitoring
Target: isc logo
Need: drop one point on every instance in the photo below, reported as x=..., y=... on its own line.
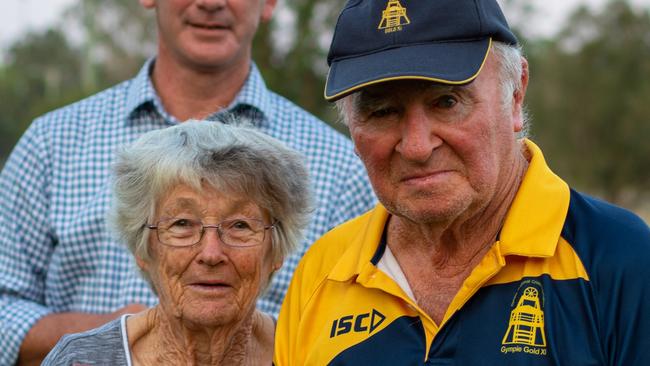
x=359, y=323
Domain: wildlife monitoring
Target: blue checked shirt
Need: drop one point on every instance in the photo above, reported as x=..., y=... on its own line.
x=56, y=254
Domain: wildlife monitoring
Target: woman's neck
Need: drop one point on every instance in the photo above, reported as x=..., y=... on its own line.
x=156, y=338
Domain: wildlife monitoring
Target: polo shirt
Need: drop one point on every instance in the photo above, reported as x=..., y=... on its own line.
x=566, y=283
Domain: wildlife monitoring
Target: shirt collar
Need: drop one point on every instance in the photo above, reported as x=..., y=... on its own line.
x=537, y=214
x=252, y=96
x=141, y=91
x=363, y=246
x=531, y=228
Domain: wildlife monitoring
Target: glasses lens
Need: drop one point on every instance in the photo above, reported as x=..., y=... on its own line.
x=179, y=232
x=242, y=232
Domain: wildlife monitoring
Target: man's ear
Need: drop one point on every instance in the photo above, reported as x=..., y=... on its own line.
x=148, y=4
x=518, y=98
x=267, y=10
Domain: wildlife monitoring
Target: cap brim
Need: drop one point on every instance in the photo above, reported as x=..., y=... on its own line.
x=453, y=63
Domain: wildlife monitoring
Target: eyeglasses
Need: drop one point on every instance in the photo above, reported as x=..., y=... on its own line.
x=237, y=233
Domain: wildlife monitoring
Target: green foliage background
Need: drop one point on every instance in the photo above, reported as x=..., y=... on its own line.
x=589, y=95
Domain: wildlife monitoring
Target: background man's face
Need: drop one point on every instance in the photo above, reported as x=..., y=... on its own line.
x=434, y=152
x=208, y=34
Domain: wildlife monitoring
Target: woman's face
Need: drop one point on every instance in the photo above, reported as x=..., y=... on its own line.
x=210, y=283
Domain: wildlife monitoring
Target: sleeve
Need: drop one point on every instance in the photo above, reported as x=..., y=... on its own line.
x=100, y=346
x=58, y=356
x=26, y=242
x=630, y=325
x=353, y=196
x=624, y=297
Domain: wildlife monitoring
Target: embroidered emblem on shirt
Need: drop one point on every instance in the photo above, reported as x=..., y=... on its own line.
x=393, y=17
x=525, y=331
x=366, y=322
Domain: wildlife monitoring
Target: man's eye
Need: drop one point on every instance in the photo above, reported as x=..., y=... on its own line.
x=446, y=102
x=383, y=112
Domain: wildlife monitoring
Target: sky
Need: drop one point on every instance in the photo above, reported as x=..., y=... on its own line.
x=20, y=16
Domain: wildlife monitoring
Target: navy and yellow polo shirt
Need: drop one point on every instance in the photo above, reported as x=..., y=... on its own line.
x=567, y=283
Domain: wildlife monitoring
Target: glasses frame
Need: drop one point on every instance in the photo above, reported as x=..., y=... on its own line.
x=212, y=226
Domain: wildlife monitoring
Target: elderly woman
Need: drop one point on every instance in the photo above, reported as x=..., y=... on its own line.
x=209, y=211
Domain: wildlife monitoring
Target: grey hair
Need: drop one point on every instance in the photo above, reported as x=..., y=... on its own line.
x=509, y=58
x=231, y=157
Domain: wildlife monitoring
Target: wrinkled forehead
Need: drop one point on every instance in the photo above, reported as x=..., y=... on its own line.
x=184, y=197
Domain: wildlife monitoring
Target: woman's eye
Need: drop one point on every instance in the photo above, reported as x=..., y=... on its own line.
x=240, y=225
x=446, y=102
x=182, y=223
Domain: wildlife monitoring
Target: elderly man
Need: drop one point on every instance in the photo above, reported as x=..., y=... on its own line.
x=61, y=271
x=477, y=252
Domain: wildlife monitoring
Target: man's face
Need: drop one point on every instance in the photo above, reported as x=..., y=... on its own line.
x=208, y=34
x=436, y=153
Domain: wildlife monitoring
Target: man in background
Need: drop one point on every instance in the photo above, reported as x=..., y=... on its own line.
x=478, y=254
x=62, y=272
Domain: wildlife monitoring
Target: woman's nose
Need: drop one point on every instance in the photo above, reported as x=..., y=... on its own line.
x=211, y=248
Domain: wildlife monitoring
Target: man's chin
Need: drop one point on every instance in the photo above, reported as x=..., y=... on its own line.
x=429, y=211
x=212, y=58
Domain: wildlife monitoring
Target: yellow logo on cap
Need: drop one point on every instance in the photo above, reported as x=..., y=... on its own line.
x=393, y=17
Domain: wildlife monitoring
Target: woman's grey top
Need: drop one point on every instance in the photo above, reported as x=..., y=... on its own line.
x=106, y=345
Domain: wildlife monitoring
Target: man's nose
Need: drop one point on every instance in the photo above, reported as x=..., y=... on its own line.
x=211, y=5
x=418, y=137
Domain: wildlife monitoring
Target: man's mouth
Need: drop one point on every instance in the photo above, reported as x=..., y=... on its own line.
x=422, y=176
x=208, y=26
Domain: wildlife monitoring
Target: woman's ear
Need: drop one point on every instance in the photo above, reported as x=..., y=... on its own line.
x=142, y=264
x=277, y=265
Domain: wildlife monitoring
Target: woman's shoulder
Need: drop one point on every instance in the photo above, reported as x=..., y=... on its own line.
x=99, y=346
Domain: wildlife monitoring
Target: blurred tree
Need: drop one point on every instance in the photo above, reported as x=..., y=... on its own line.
x=95, y=45
x=291, y=53
x=115, y=38
x=41, y=75
x=589, y=98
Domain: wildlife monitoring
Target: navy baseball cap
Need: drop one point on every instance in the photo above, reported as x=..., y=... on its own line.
x=445, y=41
